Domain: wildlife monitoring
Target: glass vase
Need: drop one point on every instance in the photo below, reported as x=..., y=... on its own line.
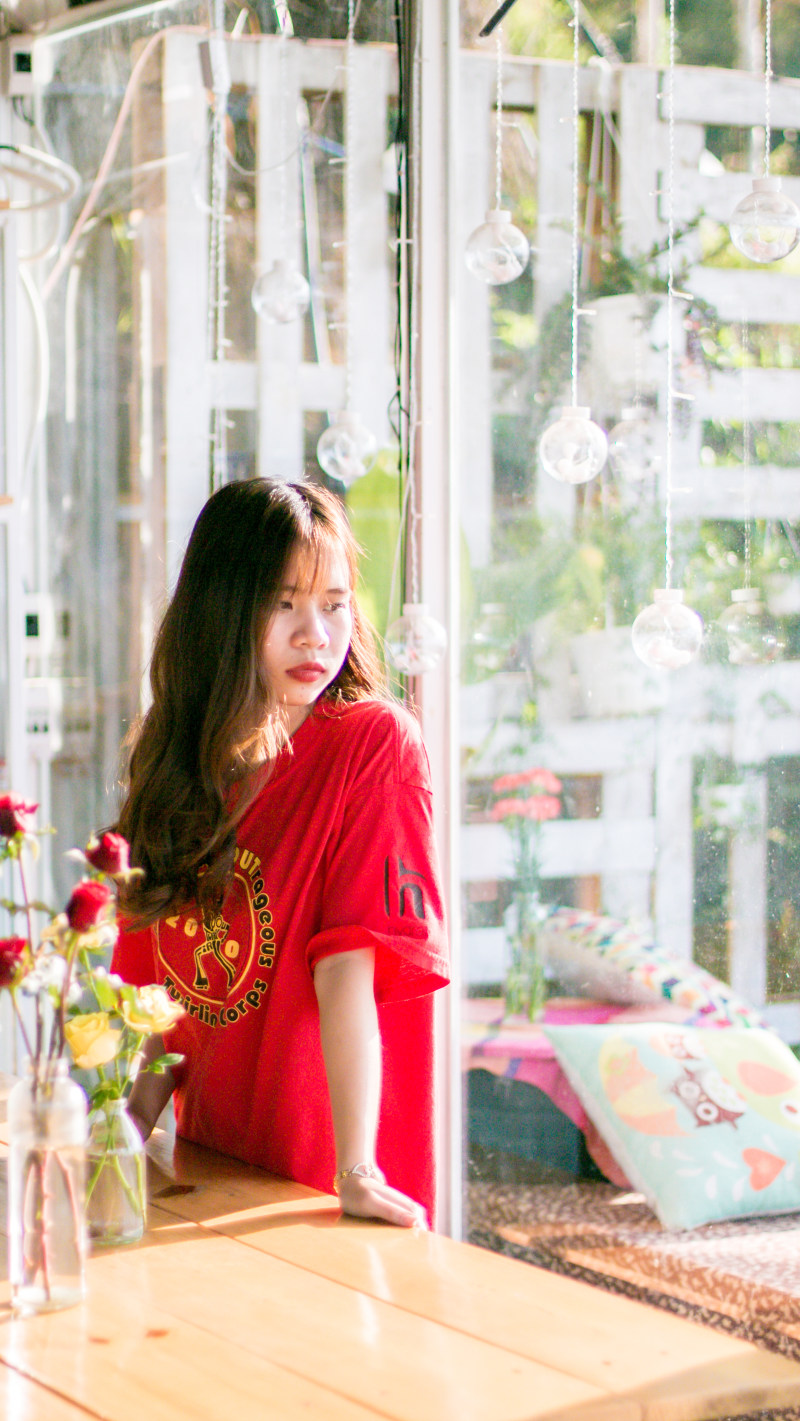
x=526, y=984
x=46, y=1174
x=116, y=1196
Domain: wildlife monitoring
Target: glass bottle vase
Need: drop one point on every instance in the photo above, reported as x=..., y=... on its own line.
x=46, y=1174
x=116, y=1196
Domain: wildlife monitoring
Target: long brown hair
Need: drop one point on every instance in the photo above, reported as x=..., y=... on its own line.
x=213, y=714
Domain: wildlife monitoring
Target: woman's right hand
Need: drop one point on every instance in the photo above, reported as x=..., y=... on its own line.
x=368, y=1197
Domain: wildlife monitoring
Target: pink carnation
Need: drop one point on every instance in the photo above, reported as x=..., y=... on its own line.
x=504, y=808
x=542, y=806
x=538, y=778
x=13, y=815
x=545, y=780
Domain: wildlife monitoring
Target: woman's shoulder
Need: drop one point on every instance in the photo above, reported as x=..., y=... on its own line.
x=385, y=736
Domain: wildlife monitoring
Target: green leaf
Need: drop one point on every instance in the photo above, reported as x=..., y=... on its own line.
x=105, y=994
x=161, y=1063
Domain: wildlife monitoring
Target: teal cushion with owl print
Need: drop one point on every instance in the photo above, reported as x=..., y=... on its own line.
x=706, y=1124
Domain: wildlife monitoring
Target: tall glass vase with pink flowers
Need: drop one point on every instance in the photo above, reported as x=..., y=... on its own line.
x=523, y=801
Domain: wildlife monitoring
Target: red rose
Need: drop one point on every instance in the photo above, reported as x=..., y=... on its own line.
x=109, y=854
x=13, y=951
x=88, y=905
x=13, y=814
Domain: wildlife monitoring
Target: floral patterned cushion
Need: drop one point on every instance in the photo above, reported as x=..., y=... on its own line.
x=613, y=961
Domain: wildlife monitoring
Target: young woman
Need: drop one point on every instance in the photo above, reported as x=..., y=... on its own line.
x=279, y=806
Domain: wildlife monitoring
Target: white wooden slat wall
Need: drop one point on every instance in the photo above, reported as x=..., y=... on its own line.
x=641, y=846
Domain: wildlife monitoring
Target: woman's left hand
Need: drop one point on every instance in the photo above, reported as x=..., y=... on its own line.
x=366, y=1197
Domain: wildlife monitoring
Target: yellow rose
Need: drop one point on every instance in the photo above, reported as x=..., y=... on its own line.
x=91, y=1040
x=152, y=1010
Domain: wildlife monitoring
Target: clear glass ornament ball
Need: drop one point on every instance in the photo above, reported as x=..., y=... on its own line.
x=416, y=642
x=753, y=635
x=765, y=225
x=497, y=252
x=281, y=295
x=574, y=448
x=347, y=449
x=633, y=454
x=667, y=634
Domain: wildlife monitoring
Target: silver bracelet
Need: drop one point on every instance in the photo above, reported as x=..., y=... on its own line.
x=363, y=1171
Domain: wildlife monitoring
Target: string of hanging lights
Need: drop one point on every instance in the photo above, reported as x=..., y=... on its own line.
x=497, y=252
x=574, y=449
x=765, y=225
x=667, y=634
x=415, y=642
x=347, y=448
x=281, y=294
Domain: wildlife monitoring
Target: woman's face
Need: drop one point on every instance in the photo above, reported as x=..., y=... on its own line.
x=308, y=634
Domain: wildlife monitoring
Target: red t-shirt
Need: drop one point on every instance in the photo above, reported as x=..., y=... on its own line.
x=336, y=852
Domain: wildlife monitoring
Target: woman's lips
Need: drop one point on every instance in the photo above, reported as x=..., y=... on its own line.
x=308, y=671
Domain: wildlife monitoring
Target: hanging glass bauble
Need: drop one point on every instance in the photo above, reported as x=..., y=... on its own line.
x=347, y=449
x=753, y=636
x=667, y=634
x=497, y=251
x=416, y=642
x=633, y=447
x=574, y=449
x=765, y=225
x=282, y=294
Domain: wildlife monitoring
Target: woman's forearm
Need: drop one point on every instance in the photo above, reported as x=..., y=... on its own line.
x=351, y=1047
x=151, y=1090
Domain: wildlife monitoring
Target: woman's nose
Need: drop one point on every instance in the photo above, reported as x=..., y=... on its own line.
x=310, y=629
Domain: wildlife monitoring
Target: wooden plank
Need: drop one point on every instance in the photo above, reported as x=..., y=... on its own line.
x=705, y=492
x=122, y=1355
x=728, y=96
x=715, y=195
x=769, y=395
x=757, y=296
x=22, y=1400
x=471, y=1290
x=268, y=1332
x=574, y=846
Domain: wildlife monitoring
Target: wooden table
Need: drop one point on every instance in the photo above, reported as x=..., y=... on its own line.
x=251, y=1297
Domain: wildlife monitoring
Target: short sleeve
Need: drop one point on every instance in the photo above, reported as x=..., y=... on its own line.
x=382, y=885
x=134, y=956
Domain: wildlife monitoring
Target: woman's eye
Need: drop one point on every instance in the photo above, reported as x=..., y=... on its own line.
x=336, y=607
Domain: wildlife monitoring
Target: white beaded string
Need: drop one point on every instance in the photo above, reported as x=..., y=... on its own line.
x=748, y=511
x=668, y=559
x=498, y=139
x=576, y=28
x=349, y=199
x=413, y=249
x=217, y=262
x=767, y=79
